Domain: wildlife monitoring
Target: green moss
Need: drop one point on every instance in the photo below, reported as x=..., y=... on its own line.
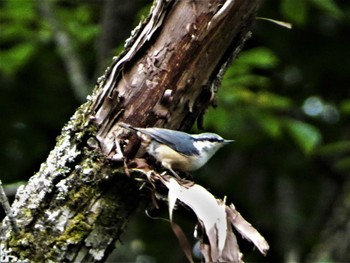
x=20, y=242
x=76, y=230
x=74, y=233
x=78, y=197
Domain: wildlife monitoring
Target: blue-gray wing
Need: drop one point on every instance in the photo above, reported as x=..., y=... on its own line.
x=177, y=140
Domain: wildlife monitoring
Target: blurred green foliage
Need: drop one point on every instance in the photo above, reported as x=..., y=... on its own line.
x=23, y=32
x=261, y=106
x=16, y=33
x=35, y=93
x=298, y=11
x=285, y=101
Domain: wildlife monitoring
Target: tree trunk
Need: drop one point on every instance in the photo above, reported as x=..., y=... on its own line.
x=78, y=204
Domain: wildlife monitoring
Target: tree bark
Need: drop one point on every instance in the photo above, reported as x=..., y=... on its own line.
x=78, y=204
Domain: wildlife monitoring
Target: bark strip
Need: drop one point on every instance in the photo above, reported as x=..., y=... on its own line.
x=79, y=202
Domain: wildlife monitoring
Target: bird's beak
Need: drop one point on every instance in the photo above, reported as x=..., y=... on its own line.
x=228, y=141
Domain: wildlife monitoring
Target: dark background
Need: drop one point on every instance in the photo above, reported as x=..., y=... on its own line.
x=285, y=102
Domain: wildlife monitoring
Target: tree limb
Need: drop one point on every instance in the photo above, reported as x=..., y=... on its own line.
x=78, y=204
x=66, y=48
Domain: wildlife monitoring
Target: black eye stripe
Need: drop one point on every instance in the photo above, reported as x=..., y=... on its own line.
x=209, y=139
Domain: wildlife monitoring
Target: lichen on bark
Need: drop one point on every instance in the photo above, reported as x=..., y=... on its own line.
x=79, y=202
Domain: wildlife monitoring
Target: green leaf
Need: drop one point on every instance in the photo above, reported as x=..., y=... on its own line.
x=343, y=164
x=246, y=80
x=79, y=26
x=329, y=7
x=258, y=57
x=218, y=118
x=294, y=10
x=334, y=148
x=269, y=123
x=273, y=101
x=232, y=94
x=23, y=11
x=17, y=21
x=345, y=106
x=305, y=135
x=14, y=58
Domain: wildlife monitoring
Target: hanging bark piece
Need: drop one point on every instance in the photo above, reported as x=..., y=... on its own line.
x=215, y=220
x=79, y=202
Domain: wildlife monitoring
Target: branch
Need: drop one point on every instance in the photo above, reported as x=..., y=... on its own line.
x=66, y=48
x=117, y=19
x=6, y=205
x=78, y=204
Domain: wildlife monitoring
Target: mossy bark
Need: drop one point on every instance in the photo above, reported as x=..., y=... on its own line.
x=78, y=204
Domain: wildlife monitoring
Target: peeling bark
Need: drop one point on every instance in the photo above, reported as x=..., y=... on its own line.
x=78, y=204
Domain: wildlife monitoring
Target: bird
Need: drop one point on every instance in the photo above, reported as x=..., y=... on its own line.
x=177, y=150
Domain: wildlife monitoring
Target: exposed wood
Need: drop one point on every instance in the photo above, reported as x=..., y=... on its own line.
x=77, y=205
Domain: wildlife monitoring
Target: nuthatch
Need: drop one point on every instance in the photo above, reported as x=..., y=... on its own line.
x=179, y=150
